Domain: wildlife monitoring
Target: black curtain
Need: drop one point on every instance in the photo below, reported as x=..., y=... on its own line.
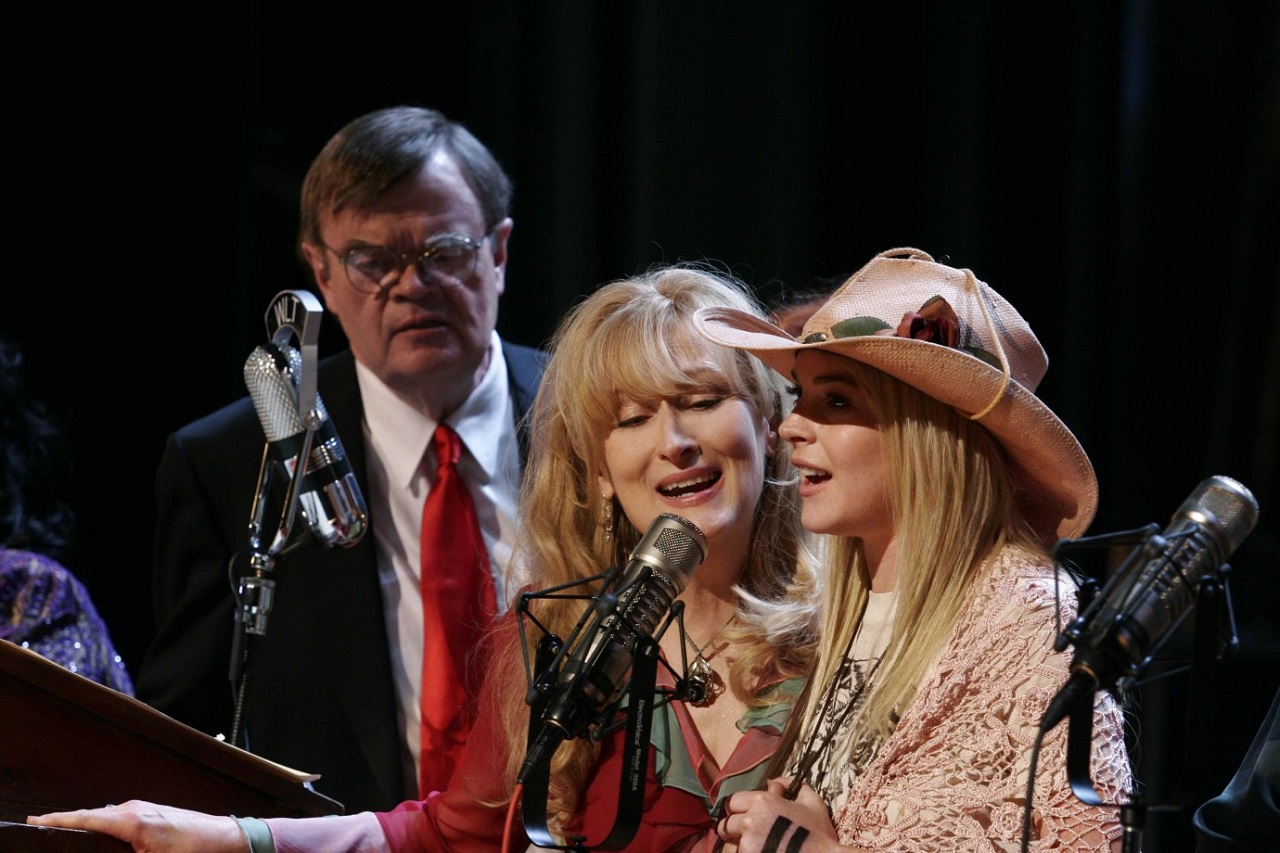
x=1110, y=168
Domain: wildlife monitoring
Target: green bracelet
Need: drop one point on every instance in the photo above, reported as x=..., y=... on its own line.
x=257, y=833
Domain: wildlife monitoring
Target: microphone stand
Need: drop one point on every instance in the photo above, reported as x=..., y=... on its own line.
x=292, y=314
x=256, y=592
x=631, y=781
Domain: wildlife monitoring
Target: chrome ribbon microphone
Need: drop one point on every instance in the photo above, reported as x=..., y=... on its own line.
x=328, y=494
x=598, y=670
x=1140, y=606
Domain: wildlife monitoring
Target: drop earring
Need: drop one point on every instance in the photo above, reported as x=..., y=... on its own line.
x=606, y=518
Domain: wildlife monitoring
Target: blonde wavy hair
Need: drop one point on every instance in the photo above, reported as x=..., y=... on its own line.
x=954, y=507
x=635, y=337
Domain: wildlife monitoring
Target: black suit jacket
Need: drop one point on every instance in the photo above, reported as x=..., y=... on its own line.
x=319, y=694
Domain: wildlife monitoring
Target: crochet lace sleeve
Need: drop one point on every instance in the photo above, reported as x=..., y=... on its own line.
x=953, y=775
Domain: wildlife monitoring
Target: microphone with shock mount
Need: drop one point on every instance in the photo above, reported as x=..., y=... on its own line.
x=579, y=691
x=1120, y=630
x=328, y=494
x=281, y=380
x=596, y=672
x=1147, y=598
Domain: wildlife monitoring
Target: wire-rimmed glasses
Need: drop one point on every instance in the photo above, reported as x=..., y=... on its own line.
x=449, y=259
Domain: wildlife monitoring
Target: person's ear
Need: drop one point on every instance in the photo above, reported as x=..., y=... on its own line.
x=315, y=256
x=771, y=437
x=605, y=485
x=498, y=246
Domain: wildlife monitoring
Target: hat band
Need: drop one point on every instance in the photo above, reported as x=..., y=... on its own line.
x=972, y=282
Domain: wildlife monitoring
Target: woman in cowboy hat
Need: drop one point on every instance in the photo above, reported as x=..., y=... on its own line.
x=942, y=481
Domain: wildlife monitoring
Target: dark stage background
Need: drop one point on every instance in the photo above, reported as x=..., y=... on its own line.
x=1111, y=168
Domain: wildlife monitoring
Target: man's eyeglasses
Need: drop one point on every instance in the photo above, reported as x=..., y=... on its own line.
x=449, y=260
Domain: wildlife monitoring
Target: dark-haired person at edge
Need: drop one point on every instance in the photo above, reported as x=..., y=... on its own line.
x=44, y=607
x=637, y=416
x=404, y=224
x=942, y=482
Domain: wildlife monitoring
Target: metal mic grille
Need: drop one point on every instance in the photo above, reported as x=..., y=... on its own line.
x=1232, y=509
x=680, y=549
x=676, y=544
x=273, y=393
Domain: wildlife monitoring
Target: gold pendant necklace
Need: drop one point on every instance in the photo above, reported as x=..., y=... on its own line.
x=704, y=683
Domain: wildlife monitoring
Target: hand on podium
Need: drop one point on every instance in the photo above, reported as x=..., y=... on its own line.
x=147, y=826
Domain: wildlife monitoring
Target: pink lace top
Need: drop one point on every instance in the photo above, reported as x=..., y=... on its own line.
x=953, y=774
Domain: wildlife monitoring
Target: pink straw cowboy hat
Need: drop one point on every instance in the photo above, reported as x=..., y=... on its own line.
x=941, y=330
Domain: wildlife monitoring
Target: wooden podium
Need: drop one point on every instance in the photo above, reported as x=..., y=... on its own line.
x=68, y=743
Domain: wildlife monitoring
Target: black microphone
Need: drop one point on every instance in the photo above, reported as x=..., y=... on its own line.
x=1118, y=633
x=328, y=494
x=597, y=671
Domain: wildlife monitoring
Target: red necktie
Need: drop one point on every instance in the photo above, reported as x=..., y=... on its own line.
x=457, y=605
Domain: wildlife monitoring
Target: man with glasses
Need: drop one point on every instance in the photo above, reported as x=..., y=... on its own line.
x=404, y=225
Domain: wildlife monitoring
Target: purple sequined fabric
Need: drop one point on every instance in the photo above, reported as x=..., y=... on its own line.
x=46, y=609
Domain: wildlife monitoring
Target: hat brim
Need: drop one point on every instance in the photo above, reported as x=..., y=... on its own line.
x=1056, y=484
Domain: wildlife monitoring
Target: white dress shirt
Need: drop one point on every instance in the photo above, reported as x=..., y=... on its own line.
x=401, y=468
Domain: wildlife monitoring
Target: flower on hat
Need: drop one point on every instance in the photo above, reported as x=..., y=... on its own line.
x=936, y=322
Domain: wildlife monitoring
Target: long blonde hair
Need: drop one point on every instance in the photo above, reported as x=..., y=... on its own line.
x=635, y=337
x=953, y=507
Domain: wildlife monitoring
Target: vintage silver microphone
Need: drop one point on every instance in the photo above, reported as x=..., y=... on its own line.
x=328, y=494
x=281, y=381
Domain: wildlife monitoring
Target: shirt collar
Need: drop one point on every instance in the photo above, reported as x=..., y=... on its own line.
x=401, y=434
